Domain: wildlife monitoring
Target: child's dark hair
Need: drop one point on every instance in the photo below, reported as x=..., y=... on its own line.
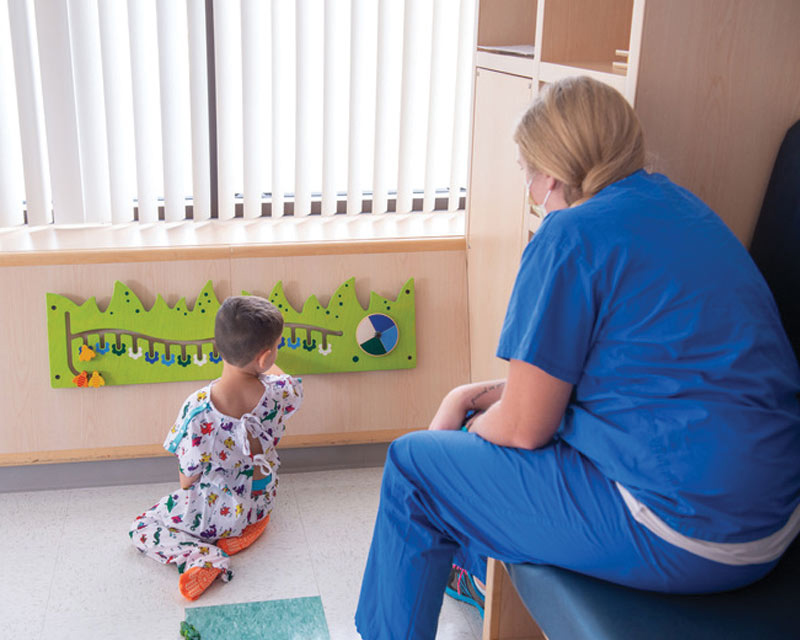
x=245, y=326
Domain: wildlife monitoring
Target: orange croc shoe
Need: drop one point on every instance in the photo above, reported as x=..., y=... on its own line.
x=250, y=534
x=196, y=580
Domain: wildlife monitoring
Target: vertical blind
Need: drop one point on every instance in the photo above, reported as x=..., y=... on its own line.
x=115, y=111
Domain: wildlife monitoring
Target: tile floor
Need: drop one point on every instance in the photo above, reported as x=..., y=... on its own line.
x=70, y=572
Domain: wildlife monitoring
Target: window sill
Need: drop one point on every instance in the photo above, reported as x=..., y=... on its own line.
x=231, y=238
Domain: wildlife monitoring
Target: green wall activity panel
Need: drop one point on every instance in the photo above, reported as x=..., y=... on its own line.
x=345, y=337
x=128, y=344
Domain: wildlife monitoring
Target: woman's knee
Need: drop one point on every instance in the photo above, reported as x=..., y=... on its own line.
x=409, y=452
x=420, y=459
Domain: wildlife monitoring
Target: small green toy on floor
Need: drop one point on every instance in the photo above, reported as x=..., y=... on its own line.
x=189, y=632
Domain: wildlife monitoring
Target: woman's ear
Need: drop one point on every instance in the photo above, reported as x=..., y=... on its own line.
x=551, y=183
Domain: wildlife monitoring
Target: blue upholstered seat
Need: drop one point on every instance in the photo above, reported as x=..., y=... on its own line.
x=570, y=606
x=776, y=238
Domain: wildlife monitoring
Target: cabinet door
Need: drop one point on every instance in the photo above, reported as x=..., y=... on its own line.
x=496, y=211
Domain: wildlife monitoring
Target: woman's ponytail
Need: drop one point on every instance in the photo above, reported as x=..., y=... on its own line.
x=583, y=133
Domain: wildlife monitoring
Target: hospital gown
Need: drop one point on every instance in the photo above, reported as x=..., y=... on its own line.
x=184, y=525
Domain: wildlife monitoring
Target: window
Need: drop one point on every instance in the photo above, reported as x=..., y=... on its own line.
x=143, y=110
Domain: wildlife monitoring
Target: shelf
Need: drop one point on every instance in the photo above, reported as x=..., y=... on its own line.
x=585, y=33
x=514, y=64
x=519, y=50
x=506, y=22
x=602, y=71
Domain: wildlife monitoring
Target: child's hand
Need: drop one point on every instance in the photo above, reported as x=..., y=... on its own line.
x=187, y=481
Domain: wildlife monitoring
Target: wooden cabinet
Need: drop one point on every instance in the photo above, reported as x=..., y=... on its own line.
x=590, y=37
x=718, y=87
x=497, y=195
x=715, y=83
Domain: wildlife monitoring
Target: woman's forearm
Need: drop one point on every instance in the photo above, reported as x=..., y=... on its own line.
x=479, y=396
x=529, y=411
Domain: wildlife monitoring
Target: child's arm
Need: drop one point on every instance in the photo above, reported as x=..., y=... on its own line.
x=187, y=481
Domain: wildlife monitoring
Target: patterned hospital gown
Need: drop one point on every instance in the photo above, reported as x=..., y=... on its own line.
x=184, y=525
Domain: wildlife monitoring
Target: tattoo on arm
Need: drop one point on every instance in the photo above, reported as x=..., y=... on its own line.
x=482, y=392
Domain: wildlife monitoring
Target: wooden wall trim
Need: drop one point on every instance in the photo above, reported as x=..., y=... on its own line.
x=164, y=254
x=398, y=245
x=156, y=451
x=110, y=256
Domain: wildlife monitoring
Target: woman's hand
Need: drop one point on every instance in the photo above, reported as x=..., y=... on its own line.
x=471, y=420
x=451, y=413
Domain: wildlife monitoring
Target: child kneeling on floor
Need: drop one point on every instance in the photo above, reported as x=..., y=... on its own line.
x=225, y=438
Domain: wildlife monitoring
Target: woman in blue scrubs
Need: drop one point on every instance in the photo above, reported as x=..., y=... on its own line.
x=648, y=432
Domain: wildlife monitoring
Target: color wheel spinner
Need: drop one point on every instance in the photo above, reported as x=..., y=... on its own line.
x=377, y=334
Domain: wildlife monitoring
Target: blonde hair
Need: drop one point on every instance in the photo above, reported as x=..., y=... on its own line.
x=583, y=133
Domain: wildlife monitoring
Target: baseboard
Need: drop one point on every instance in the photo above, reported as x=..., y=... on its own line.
x=103, y=473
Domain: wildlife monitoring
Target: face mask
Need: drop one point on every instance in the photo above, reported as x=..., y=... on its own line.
x=537, y=209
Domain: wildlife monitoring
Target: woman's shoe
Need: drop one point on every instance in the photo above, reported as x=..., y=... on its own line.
x=461, y=586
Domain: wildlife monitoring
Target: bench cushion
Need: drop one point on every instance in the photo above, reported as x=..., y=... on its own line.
x=567, y=605
x=777, y=235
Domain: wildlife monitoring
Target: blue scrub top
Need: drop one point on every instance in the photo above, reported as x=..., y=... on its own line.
x=685, y=383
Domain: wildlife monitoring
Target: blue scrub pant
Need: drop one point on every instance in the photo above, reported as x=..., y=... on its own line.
x=451, y=496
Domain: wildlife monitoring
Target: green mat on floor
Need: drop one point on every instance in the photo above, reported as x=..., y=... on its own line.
x=291, y=619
